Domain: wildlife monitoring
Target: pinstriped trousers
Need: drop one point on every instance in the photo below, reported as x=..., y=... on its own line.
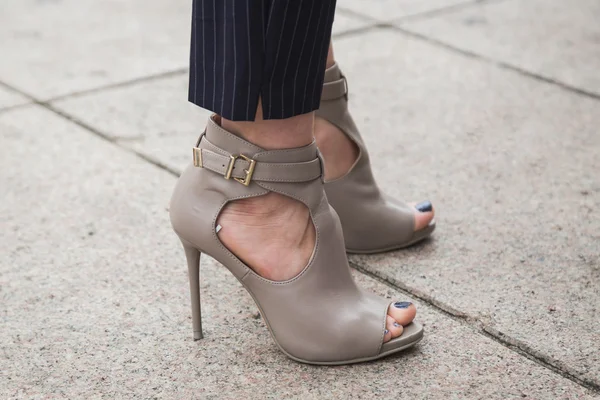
x=243, y=50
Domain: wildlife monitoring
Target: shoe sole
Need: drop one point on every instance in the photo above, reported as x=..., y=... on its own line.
x=364, y=359
x=418, y=336
x=417, y=237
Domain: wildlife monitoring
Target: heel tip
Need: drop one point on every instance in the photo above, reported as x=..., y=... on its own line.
x=198, y=335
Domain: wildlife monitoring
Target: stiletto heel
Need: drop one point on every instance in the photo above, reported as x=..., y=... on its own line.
x=193, y=260
x=318, y=317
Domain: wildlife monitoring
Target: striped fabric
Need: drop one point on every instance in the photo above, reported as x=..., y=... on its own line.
x=243, y=50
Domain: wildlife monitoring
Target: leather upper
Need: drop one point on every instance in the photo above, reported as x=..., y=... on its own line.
x=318, y=316
x=370, y=220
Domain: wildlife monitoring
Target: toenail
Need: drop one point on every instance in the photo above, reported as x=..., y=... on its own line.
x=397, y=325
x=402, y=304
x=386, y=332
x=424, y=206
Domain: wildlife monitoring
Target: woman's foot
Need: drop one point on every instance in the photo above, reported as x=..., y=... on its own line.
x=277, y=225
x=340, y=154
x=282, y=229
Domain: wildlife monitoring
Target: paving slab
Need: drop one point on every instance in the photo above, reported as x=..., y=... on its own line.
x=556, y=39
x=344, y=22
x=95, y=301
x=161, y=124
x=59, y=47
x=386, y=10
x=511, y=165
x=10, y=98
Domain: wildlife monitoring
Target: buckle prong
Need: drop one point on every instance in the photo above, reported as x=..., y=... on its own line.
x=249, y=172
x=229, y=171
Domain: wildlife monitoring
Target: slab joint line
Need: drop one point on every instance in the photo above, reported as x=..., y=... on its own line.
x=418, y=15
x=131, y=82
x=444, y=10
x=440, y=307
x=392, y=24
x=478, y=326
x=89, y=128
x=497, y=63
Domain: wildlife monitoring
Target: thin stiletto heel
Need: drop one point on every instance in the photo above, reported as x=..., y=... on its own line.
x=318, y=317
x=192, y=255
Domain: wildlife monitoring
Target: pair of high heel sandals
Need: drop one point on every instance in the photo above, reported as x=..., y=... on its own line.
x=320, y=316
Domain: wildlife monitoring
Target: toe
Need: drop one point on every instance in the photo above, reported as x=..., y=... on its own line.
x=387, y=335
x=403, y=312
x=424, y=213
x=394, y=327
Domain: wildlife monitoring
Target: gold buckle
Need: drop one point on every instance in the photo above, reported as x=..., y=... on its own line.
x=197, y=157
x=246, y=180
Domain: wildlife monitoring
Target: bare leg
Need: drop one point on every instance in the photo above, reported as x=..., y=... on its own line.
x=330, y=57
x=274, y=133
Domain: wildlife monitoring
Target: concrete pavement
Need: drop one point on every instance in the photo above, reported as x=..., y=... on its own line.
x=489, y=108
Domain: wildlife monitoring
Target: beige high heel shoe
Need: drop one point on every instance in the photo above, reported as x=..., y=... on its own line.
x=318, y=317
x=372, y=222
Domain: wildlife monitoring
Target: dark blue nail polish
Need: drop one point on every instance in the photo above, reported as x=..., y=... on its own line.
x=386, y=332
x=424, y=206
x=397, y=325
x=402, y=304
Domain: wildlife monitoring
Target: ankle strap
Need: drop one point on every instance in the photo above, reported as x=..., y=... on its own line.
x=335, y=89
x=245, y=169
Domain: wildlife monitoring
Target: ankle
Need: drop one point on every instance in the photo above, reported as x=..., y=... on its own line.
x=274, y=134
x=339, y=152
x=330, y=57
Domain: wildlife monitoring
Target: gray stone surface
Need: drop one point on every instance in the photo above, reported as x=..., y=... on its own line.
x=557, y=39
x=385, y=10
x=344, y=22
x=509, y=162
x=511, y=165
x=9, y=98
x=154, y=118
x=93, y=290
x=59, y=47
x=95, y=302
